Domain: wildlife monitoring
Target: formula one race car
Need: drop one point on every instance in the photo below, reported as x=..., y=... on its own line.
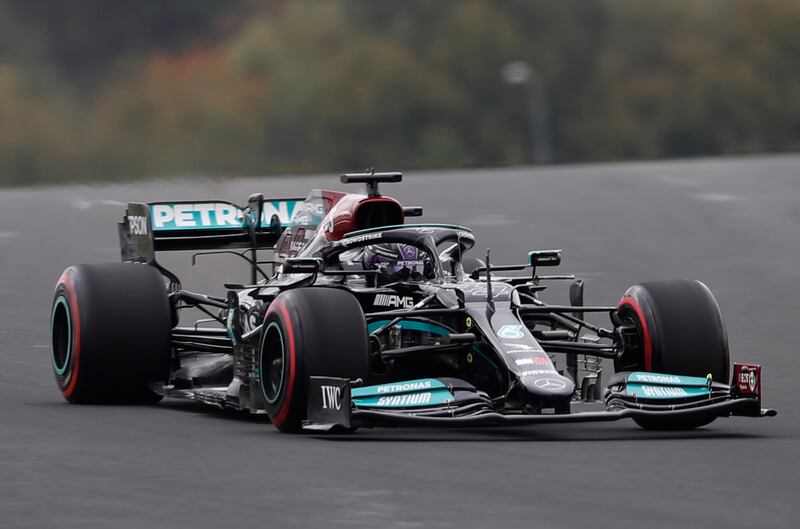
x=361, y=319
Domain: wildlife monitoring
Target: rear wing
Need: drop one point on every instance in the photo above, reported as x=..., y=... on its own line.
x=202, y=225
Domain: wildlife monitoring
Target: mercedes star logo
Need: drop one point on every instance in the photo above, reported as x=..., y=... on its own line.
x=550, y=383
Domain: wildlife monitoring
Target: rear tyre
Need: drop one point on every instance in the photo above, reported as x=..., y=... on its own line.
x=680, y=331
x=110, y=329
x=314, y=331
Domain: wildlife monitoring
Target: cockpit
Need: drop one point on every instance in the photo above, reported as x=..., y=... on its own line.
x=388, y=254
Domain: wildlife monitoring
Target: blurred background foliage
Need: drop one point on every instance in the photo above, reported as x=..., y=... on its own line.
x=92, y=89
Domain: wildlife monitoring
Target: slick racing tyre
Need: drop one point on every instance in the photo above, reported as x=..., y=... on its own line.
x=314, y=331
x=110, y=327
x=680, y=331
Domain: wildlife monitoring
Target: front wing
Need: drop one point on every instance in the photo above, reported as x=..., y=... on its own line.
x=334, y=404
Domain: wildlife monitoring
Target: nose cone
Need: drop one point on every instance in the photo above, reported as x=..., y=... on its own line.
x=548, y=385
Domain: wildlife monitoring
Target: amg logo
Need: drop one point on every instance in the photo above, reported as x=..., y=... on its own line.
x=138, y=224
x=393, y=300
x=331, y=397
x=412, y=399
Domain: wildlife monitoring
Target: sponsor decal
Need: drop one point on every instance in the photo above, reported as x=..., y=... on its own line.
x=407, y=399
x=535, y=372
x=532, y=361
x=378, y=395
x=313, y=208
x=393, y=300
x=655, y=378
x=365, y=237
x=658, y=391
x=331, y=397
x=328, y=401
x=405, y=386
x=424, y=230
x=409, y=264
x=550, y=383
x=284, y=209
x=425, y=398
x=519, y=348
x=138, y=224
x=215, y=215
x=666, y=380
x=665, y=392
x=747, y=379
x=511, y=332
x=385, y=252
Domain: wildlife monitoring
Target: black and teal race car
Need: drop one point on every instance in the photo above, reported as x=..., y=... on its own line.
x=361, y=319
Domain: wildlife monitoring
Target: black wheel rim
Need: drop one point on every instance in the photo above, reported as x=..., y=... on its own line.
x=61, y=331
x=273, y=365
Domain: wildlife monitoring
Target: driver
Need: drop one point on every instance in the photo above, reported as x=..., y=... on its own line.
x=396, y=262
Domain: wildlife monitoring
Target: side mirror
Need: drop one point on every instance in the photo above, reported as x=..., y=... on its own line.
x=544, y=258
x=576, y=296
x=412, y=211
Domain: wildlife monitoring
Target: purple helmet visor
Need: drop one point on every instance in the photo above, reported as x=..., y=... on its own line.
x=394, y=258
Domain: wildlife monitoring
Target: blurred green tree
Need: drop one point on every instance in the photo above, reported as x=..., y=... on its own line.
x=92, y=89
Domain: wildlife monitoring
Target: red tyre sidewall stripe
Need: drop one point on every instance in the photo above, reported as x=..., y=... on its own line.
x=287, y=324
x=76, y=334
x=648, y=343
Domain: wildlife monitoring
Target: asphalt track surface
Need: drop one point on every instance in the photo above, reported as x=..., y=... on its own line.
x=732, y=223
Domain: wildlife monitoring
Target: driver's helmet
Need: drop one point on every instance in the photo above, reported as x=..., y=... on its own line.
x=396, y=262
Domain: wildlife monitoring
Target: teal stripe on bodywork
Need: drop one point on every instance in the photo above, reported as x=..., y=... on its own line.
x=411, y=325
x=423, y=326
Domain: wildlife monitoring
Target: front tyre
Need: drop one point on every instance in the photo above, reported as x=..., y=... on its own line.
x=110, y=329
x=679, y=331
x=314, y=331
